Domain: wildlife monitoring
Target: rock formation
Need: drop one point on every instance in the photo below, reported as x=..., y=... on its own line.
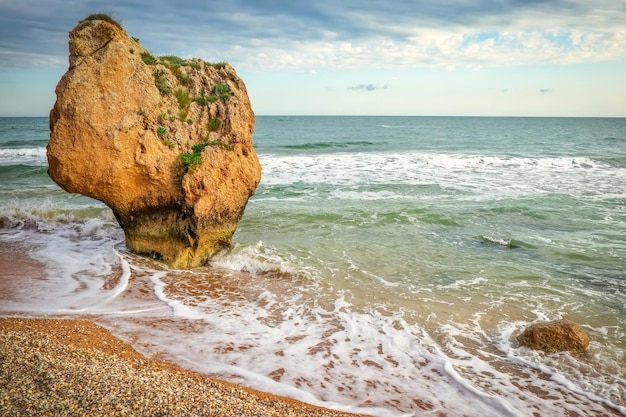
x=555, y=336
x=166, y=143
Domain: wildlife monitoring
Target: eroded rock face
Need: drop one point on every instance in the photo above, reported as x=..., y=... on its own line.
x=555, y=336
x=165, y=143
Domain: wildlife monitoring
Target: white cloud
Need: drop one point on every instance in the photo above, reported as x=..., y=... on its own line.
x=461, y=35
x=436, y=48
x=295, y=36
x=445, y=54
x=368, y=87
x=13, y=59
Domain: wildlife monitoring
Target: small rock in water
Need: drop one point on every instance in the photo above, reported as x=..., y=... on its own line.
x=555, y=336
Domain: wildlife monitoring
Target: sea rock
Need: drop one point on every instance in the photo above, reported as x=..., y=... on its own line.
x=166, y=143
x=555, y=336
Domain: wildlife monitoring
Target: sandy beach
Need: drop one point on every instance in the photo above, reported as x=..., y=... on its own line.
x=75, y=367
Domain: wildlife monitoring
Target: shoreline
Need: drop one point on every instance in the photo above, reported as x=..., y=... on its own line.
x=74, y=366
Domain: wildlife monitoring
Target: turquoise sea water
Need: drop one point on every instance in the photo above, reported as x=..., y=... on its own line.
x=385, y=264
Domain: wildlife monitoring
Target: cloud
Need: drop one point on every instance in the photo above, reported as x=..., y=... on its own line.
x=544, y=90
x=282, y=35
x=367, y=87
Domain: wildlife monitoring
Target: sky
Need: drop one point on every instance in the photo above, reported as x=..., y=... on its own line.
x=352, y=57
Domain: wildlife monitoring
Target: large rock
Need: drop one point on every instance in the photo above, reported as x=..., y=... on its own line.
x=555, y=336
x=165, y=143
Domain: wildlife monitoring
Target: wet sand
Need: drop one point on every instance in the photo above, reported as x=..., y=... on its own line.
x=15, y=266
x=74, y=367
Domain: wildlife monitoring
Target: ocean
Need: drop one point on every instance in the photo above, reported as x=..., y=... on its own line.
x=385, y=265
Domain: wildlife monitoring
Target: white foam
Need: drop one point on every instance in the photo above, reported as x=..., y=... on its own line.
x=506, y=176
x=500, y=405
x=23, y=156
x=466, y=283
x=79, y=258
x=256, y=259
x=364, y=195
x=498, y=241
x=122, y=284
x=179, y=309
x=47, y=214
x=326, y=357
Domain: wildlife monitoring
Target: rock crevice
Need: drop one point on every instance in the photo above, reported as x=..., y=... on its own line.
x=166, y=143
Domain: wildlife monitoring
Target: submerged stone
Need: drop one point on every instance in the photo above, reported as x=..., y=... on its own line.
x=555, y=336
x=166, y=143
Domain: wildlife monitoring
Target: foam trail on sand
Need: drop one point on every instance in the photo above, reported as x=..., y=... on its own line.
x=122, y=284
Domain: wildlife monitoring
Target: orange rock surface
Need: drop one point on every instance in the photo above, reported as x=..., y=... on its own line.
x=124, y=129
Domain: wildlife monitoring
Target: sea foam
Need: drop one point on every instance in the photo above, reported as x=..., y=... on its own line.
x=512, y=176
x=23, y=156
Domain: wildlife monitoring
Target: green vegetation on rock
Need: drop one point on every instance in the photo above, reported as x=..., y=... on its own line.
x=172, y=61
x=161, y=82
x=101, y=16
x=222, y=91
x=148, y=59
x=183, y=99
x=217, y=65
x=190, y=160
x=213, y=125
x=203, y=99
